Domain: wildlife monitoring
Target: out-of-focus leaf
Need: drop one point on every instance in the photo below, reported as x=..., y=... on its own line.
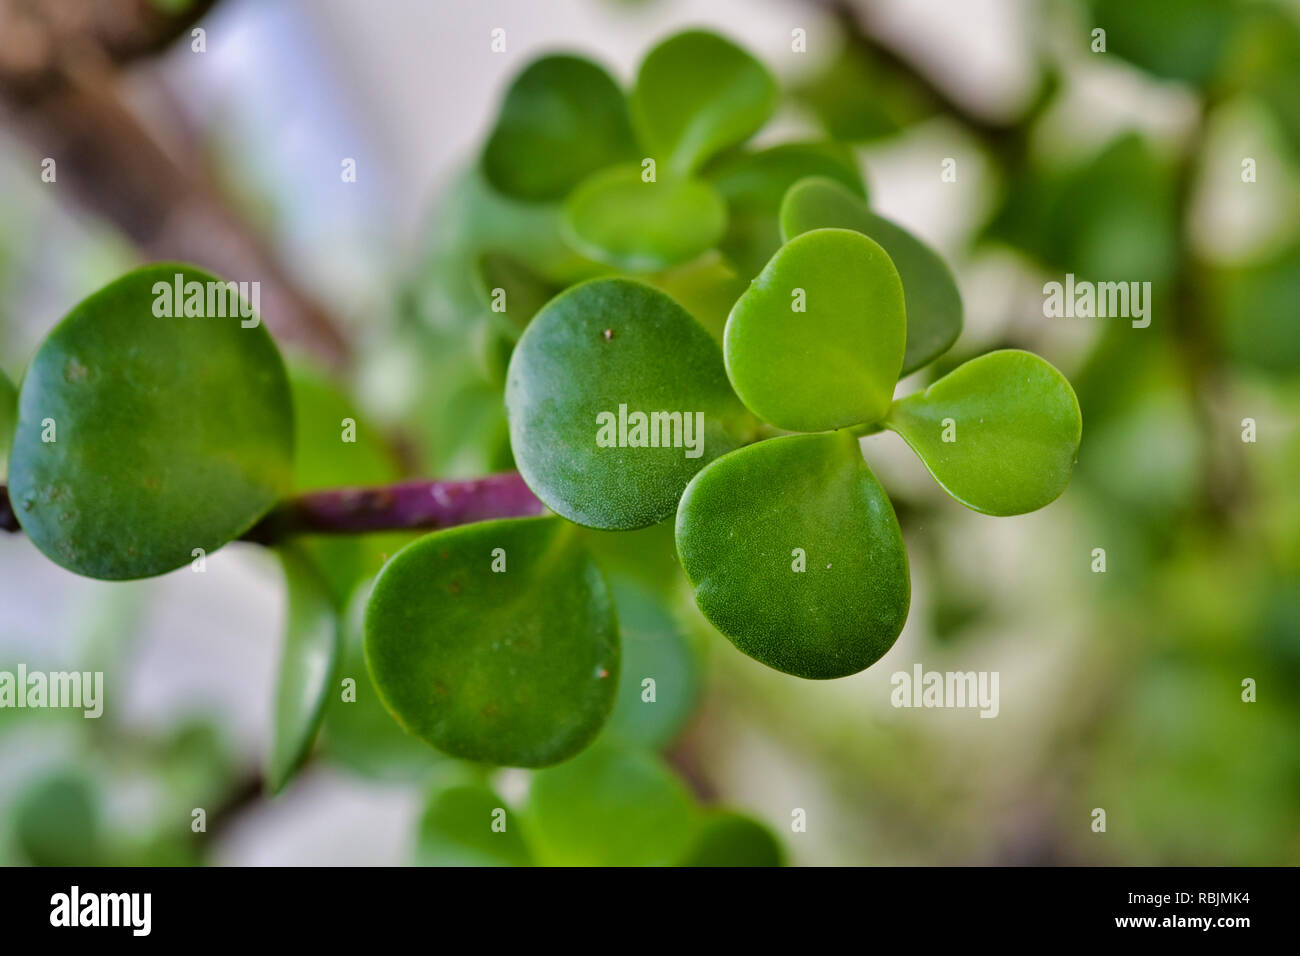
x=1259, y=307
x=8, y=416
x=56, y=821
x=617, y=218
x=563, y=118
x=1174, y=39
x=696, y=94
x=307, y=666
x=467, y=824
x=610, y=807
x=731, y=839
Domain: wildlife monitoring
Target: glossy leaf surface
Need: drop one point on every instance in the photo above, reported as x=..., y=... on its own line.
x=595, y=357
x=796, y=556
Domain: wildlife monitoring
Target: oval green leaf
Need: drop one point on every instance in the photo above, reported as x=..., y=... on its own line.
x=934, y=309
x=731, y=839
x=170, y=434
x=591, y=393
x=697, y=94
x=461, y=826
x=312, y=643
x=563, y=118
x=796, y=556
x=617, y=218
x=610, y=807
x=817, y=340
x=516, y=666
x=999, y=433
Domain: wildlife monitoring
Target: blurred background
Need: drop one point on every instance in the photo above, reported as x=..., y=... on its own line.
x=1120, y=690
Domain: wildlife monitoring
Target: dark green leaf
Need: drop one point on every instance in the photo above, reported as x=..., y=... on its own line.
x=696, y=94
x=617, y=218
x=817, y=341
x=604, y=352
x=462, y=826
x=56, y=821
x=610, y=807
x=1174, y=39
x=514, y=667
x=307, y=667
x=934, y=309
x=8, y=417
x=796, y=556
x=171, y=433
x=563, y=118
x=730, y=839
x=999, y=433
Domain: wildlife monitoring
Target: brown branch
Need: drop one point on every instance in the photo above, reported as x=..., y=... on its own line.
x=59, y=89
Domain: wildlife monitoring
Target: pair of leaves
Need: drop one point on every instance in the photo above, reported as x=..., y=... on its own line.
x=142, y=437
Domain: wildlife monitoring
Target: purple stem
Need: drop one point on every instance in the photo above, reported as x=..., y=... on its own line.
x=410, y=505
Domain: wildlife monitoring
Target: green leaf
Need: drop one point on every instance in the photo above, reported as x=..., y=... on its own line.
x=697, y=94
x=171, y=434
x=457, y=829
x=514, y=667
x=56, y=820
x=934, y=310
x=707, y=288
x=999, y=433
x=359, y=732
x=795, y=555
x=1174, y=39
x=731, y=839
x=563, y=118
x=610, y=807
x=654, y=648
x=604, y=350
x=817, y=340
x=617, y=218
x=312, y=644
x=8, y=418
x=754, y=183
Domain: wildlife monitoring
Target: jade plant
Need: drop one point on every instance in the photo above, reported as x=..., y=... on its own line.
x=682, y=327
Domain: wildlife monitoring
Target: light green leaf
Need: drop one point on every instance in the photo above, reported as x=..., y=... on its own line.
x=563, y=118
x=594, y=362
x=731, y=839
x=312, y=644
x=754, y=183
x=796, y=556
x=610, y=807
x=999, y=433
x=516, y=666
x=697, y=94
x=457, y=829
x=617, y=218
x=934, y=309
x=817, y=340
x=171, y=434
